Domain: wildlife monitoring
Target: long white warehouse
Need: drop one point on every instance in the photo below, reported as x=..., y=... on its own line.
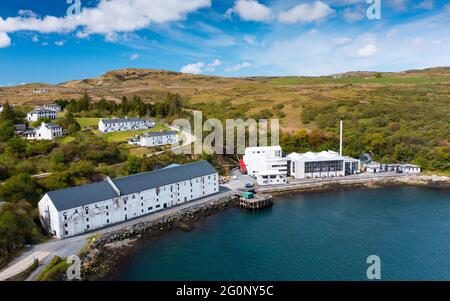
x=77, y=210
x=124, y=124
x=321, y=165
x=152, y=139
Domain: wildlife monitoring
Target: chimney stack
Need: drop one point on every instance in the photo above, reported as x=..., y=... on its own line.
x=340, y=138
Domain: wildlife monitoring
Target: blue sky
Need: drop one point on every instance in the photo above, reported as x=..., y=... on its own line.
x=40, y=42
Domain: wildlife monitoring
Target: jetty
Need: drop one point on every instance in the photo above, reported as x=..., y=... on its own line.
x=252, y=201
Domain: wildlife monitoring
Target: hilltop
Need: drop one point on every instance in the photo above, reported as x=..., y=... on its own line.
x=226, y=97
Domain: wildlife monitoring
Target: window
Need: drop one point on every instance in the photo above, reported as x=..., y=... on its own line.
x=125, y=208
x=87, y=219
x=149, y=208
x=67, y=232
x=157, y=206
x=107, y=213
x=106, y=207
x=107, y=221
x=124, y=202
x=65, y=225
x=87, y=226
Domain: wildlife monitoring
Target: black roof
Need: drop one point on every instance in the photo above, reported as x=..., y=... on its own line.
x=92, y=193
x=123, y=120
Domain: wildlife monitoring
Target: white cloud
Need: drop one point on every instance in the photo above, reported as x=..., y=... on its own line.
x=392, y=33
x=362, y=47
x=250, y=39
x=417, y=41
x=27, y=13
x=212, y=66
x=108, y=17
x=340, y=41
x=196, y=68
x=398, y=5
x=82, y=34
x=354, y=14
x=238, y=67
x=426, y=4
x=134, y=56
x=250, y=10
x=367, y=50
x=5, y=40
x=305, y=13
x=60, y=43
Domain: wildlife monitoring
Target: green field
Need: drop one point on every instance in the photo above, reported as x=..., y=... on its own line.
x=88, y=122
x=124, y=136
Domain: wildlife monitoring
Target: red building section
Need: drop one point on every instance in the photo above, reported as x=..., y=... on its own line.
x=242, y=165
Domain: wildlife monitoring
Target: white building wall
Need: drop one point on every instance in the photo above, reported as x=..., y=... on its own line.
x=94, y=216
x=259, y=159
x=35, y=115
x=108, y=127
x=49, y=216
x=158, y=140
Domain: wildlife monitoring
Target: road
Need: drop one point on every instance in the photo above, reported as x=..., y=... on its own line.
x=186, y=142
x=72, y=245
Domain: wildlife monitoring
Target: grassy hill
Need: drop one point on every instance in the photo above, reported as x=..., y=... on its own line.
x=402, y=116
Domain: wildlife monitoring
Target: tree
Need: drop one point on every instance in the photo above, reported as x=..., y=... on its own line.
x=17, y=146
x=20, y=187
x=6, y=131
x=8, y=113
x=134, y=165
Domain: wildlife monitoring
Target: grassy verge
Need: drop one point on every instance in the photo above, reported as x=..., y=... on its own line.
x=54, y=271
x=88, y=122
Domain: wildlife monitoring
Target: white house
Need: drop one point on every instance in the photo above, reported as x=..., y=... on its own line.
x=77, y=210
x=41, y=113
x=158, y=138
x=410, y=168
x=321, y=165
x=46, y=131
x=267, y=160
x=373, y=167
x=1, y=108
x=53, y=107
x=124, y=124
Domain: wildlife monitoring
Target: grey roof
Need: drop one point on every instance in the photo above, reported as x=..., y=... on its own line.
x=81, y=195
x=161, y=177
x=50, y=125
x=92, y=193
x=158, y=134
x=37, y=111
x=123, y=120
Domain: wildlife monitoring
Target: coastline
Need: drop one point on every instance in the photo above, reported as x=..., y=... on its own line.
x=108, y=253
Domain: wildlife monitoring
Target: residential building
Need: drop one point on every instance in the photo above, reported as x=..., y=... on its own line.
x=1, y=108
x=46, y=131
x=321, y=165
x=401, y=168
x=124, y=124
x=52, y=107
x=373, y=167
x=40, y=113
x=19, y=129
x=158, y=138
x=271, y=177
x=76, y=210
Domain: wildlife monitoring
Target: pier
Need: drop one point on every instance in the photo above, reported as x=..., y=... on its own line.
x=249, y=200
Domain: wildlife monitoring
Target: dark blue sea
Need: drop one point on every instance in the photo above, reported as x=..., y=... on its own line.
x=309, y=236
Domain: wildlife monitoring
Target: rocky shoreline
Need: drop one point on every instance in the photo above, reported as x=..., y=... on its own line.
x=105, y=255
x=412, y=180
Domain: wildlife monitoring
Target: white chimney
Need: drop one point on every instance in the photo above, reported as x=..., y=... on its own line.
x=340, y=138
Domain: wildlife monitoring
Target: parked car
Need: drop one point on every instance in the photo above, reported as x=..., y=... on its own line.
x=248, y=185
